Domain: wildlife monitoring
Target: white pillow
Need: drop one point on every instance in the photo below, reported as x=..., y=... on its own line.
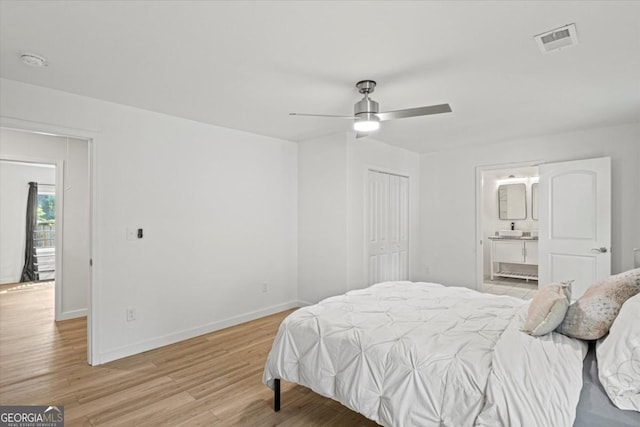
x=547, y=308
x=619, y=357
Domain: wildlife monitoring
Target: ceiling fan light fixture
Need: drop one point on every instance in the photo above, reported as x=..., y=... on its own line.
x=366, y=125
x=367, y=115
x=366, y=122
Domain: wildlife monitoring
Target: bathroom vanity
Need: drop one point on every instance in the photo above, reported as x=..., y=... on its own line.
x=515, y=257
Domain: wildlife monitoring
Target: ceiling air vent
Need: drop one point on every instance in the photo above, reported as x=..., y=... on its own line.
x=557, y=39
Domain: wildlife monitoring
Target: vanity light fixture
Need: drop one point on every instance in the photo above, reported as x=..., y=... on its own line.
x=512, y=179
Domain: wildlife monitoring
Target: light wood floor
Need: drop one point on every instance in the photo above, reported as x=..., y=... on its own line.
x=211, y=380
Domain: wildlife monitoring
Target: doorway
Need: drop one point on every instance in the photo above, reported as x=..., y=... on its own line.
x=67, y=259
x=27, y=194
x=508, y=219
x=571, y=211
x=387, y=219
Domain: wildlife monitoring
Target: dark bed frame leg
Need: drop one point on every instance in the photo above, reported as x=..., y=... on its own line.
x=276, y=395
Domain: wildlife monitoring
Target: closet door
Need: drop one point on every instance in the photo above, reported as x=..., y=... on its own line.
x=387, y=227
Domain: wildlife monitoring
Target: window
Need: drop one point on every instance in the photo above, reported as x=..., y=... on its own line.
x=45, y=233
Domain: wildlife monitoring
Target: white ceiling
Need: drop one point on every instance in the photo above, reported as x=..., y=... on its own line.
x=246, y=65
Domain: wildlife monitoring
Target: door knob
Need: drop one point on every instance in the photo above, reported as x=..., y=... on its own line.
x=601, y=250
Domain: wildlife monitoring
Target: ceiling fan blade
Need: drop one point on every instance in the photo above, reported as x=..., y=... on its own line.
x=413, y=112
x=322, y=115
x=361, y=135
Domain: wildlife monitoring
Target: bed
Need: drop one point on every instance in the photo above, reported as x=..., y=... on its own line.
x=422, y=354
x=595, y=409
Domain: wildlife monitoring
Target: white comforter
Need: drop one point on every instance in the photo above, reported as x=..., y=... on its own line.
x=421, y=354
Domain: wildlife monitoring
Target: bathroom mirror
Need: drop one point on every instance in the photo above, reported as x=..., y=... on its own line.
x=512, y=201
x=534, y=201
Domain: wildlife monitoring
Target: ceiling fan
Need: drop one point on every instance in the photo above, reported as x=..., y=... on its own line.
x=366, y=117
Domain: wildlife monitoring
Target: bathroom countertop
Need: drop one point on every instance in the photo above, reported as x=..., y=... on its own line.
x=512, y=238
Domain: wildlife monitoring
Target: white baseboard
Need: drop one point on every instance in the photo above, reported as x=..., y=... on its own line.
x=66, y=315
x=150, y=344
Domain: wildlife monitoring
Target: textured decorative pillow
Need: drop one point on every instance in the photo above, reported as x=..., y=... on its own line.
x=547, y=308
x=591, y=316
x=619, y=357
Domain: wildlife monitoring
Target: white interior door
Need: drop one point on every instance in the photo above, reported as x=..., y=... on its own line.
x=575, y=222
x=387, y=227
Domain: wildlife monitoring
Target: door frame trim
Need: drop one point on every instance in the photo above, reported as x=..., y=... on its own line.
x=479, y=244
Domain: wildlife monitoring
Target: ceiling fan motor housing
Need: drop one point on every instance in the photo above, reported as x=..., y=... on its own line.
x=366, y=108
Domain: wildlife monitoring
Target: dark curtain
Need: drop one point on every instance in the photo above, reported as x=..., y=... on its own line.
x=29, y=269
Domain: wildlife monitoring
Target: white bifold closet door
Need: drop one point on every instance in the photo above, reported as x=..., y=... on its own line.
x=387, y=227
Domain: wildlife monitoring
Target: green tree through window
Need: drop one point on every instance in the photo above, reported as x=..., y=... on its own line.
x=46, y=207
x=44, y=234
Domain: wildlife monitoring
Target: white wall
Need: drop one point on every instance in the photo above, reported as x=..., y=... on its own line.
x=448, y=236
x=14, y=187
x=331, y=209
x=322, y=219
x=75, y=224
x=218, y=208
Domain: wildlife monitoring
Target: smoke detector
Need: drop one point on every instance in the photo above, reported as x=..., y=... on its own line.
x=557, y=39
x=33, y=60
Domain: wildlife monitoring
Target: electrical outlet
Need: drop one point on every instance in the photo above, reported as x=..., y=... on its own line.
x=427, y=270
x=265, y=287
x=131, y=314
